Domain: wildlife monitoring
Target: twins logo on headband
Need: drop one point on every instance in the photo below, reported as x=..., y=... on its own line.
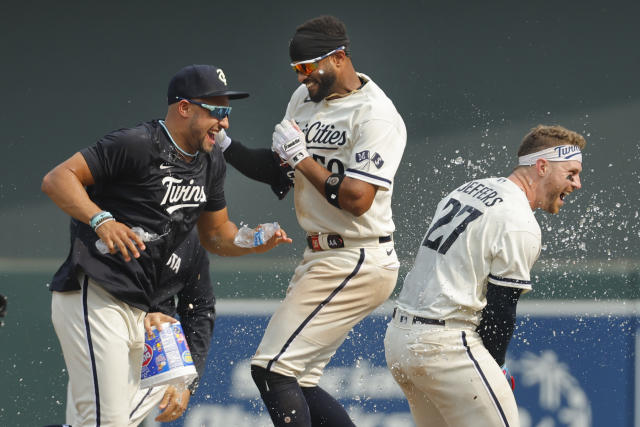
x=559, y=153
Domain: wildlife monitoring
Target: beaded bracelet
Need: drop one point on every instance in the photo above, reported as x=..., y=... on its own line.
x=99, y=218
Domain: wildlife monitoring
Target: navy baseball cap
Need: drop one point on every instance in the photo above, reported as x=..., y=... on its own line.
x=200, y=81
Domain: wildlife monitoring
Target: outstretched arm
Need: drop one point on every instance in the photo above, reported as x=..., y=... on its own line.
x=260, y=164
x=217, y=233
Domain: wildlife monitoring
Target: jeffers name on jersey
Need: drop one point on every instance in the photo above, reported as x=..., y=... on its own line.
x=482, y=192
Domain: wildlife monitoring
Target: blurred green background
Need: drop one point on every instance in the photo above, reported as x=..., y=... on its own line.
x=469, y=78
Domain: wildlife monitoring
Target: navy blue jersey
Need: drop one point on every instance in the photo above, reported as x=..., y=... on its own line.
x=142, y=181
x=186, y=289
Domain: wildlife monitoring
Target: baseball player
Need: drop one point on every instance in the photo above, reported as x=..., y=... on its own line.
x=164, y=176
x=188, y=291
x=342, y=139
x=453, y=320
x=185, y=279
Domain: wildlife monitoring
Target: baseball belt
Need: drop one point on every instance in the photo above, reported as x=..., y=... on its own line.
x=325, y=241
x=404, y=317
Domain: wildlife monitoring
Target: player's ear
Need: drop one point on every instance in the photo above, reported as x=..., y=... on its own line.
x=542, y=167
x=183, y=107
x=339, y=58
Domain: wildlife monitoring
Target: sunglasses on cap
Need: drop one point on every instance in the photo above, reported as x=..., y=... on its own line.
x=310, y=65
x=216, y=111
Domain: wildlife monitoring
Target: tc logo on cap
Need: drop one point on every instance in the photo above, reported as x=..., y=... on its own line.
x=222, y=77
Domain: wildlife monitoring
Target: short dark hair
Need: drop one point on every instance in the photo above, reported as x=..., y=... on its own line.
x=326, y=24
x=542, y=137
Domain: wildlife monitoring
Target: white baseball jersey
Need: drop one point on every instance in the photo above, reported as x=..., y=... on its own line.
x=482, y=231
x=361, y=135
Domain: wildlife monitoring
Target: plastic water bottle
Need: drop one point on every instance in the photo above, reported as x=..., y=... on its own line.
x=250, y=238
x=145, y=236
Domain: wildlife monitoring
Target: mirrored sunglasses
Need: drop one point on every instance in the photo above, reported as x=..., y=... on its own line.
x=217, y=111
x=310, y=65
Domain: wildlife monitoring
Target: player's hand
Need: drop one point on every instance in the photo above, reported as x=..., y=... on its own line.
x=173, y=404
x=156, y=319
x=289, y=143
x=119, y=237
x=222, y=140
x=279, y=237
x=508, y=376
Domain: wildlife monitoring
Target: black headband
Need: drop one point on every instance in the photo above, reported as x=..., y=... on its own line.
x=309, y=45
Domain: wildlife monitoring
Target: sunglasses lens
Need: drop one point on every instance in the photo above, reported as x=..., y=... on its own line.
x=220, y=112
x=305, y=69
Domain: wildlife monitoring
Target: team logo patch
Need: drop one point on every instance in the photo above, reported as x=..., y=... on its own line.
x=377, y=160
x=362, y=156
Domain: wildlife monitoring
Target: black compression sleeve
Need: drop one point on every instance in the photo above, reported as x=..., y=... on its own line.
x=260, y=164
x=498, y=320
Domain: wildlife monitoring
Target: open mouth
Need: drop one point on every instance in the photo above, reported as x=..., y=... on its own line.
x=212, y=135
x=562, y=196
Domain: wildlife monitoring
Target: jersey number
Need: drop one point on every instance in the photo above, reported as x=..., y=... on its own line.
x=330, y=165
x=457, y=210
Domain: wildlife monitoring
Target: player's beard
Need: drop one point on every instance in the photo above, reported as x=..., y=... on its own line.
x=324, y=83
x=200, y=137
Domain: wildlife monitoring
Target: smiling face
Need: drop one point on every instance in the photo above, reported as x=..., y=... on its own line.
x=320, y=82
x=202, y=127
x=558, y=179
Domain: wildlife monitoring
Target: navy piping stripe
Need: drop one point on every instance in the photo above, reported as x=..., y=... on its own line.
x=321, y=148
x=484, y=379
x=506, y=279
x=369, y=175
x=85, y=309
x=140, y=403
x=317, y=309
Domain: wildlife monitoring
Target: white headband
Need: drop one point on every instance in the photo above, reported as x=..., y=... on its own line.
x=559, y=153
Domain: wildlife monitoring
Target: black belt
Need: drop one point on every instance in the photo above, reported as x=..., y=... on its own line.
x=422, y=320
x=335, y=241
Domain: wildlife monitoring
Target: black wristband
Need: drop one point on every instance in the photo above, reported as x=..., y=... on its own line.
x=331, y=188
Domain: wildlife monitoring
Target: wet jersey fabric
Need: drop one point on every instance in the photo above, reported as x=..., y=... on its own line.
x=484, y=231
x=360, y=135
x=186, y=290
x=141, y=181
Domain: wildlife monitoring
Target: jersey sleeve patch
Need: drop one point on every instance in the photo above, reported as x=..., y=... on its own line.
x=362, y=156
x=377, y=152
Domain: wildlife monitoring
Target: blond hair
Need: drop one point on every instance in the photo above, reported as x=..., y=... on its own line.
x=542, y=137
